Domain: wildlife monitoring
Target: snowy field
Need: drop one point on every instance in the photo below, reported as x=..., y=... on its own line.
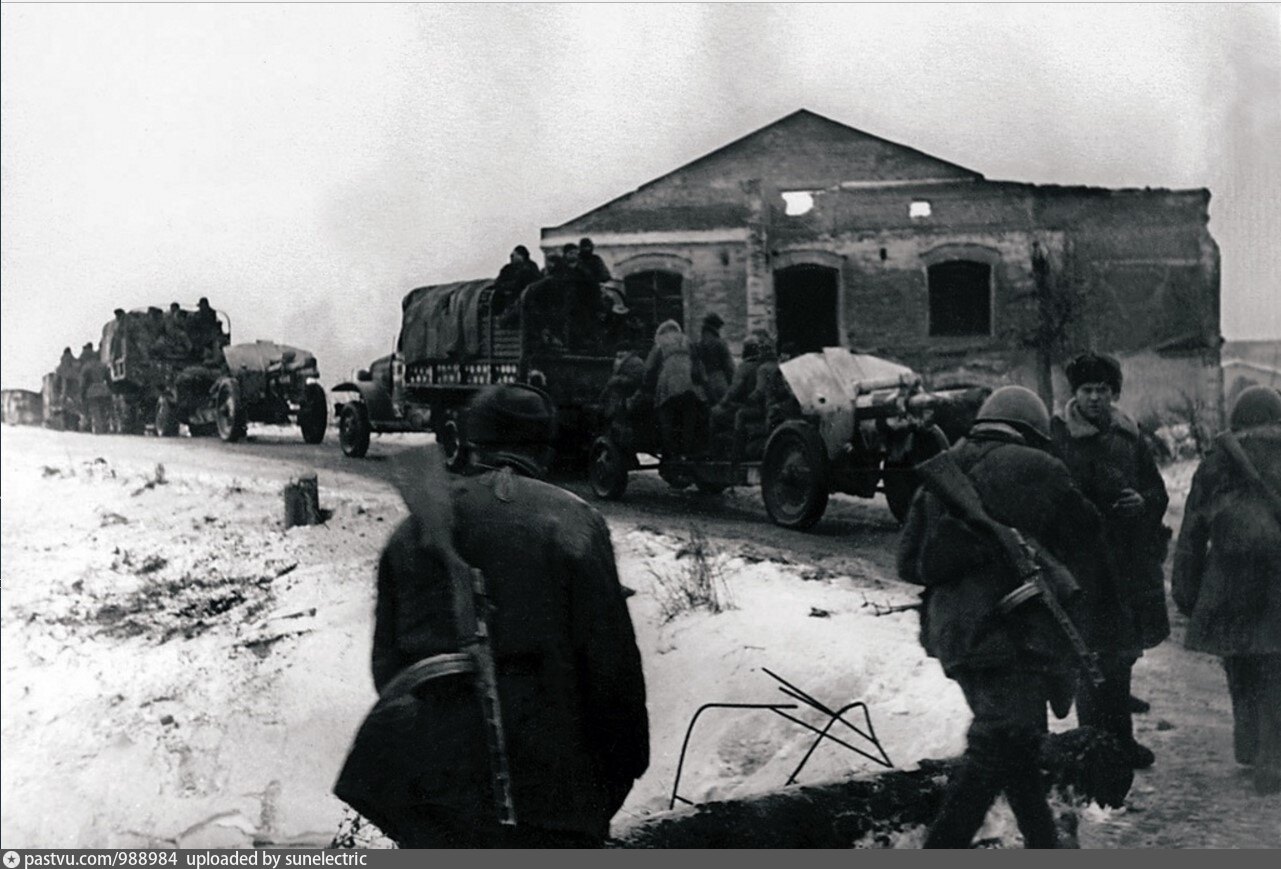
x=178, y=670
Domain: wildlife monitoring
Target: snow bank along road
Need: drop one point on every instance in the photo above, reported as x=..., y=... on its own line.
x=177, y=669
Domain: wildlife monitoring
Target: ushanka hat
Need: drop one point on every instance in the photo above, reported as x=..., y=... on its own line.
x=1094, y=368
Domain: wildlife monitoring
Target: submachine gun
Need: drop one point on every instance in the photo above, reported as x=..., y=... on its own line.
x=944, y=478
x=424, y=484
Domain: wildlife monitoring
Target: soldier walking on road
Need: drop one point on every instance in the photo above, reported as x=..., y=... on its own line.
x=1009, y=661
x=1113, y=466
x=568, y=670
x=1227, y=575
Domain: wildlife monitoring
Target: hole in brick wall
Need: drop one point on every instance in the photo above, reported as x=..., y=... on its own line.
x=919, y=209
x=797, y=202
x=884, y=254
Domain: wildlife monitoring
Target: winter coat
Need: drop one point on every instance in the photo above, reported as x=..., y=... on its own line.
x=518, y=275
x=965, y=574
x=1102, y=464
x=569, y=673
x=1227, y=564
x=593, y=267
x=671, y=369
x=718, y=364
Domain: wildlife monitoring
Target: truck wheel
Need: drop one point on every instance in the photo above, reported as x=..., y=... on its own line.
x=451, y=441
x=899, y=480
x=794, y=476
x=313, y=414
x=607, y=469
x=232, y=423
x=166, y=418
x=353, y=430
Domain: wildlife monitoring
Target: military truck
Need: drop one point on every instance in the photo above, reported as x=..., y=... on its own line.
x=161, y=382
x=21, y=407
x=560, y=334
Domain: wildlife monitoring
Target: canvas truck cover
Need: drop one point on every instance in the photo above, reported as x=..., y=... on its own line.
x=258, y=355
x=441, y=321
x=828, y=385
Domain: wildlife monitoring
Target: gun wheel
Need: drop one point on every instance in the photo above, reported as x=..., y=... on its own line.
x=313, y=414
x=607, y=469
x=794, y=476
x=232, y=422
x=353, y=430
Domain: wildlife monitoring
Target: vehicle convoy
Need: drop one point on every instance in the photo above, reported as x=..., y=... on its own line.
x=181, y=369
x=457, y=338
x=860, y=425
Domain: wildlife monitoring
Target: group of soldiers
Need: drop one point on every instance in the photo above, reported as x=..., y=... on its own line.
x=572, y=301
x=1084, y=494
x=1079, y=491
x=173, y=335
x=707, y=407
x=81, y=386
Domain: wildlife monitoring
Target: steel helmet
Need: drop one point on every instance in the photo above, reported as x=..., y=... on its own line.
x=510, y=414
x=1017, y=406
x=1258, y=405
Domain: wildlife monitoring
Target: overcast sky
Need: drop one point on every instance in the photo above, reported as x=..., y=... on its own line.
x=306, y=165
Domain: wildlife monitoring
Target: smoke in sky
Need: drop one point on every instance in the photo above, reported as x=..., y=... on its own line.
x=306, y=165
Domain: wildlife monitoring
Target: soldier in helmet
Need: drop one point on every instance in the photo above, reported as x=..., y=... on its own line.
x=1009, y=665
x=569, y=673
x=1113, y=466
x=1226, y=576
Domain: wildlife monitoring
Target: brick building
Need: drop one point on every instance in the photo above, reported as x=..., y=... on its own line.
x=826, y=235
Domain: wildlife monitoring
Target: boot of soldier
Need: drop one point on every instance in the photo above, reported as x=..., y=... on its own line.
x=969, y=795
x=1026, y=795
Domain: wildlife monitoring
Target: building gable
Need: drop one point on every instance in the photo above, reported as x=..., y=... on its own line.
x=802, y=151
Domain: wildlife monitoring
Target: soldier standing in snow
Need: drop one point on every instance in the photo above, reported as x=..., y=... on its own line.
x=568, y=670
x=1009, y=664
x=1113, y=467
x=1227, y=575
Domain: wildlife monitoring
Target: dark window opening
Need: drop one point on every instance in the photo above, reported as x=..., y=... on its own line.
x=960, y=298
x=653, y=297
x=806, y=307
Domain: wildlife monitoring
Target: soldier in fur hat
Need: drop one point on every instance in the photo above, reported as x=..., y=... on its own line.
x=1113, y=466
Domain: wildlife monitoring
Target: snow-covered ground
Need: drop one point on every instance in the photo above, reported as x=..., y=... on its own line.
x=177, y=668
x=180, y=670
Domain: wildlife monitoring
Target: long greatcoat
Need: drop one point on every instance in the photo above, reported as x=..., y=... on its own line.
x=671, y=369
x=1102, y=464
x=1227, y=564
x=569, y=673
x=965, y=574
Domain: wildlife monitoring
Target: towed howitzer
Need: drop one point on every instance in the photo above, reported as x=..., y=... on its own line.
x=423, y=482
x=944, y=478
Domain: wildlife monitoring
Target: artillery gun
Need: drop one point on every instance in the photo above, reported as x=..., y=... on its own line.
x=270, y=383
x=863, y=424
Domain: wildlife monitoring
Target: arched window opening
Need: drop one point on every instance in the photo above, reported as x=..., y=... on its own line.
x=806, y=307
x=960, y=299
x=654, y=296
